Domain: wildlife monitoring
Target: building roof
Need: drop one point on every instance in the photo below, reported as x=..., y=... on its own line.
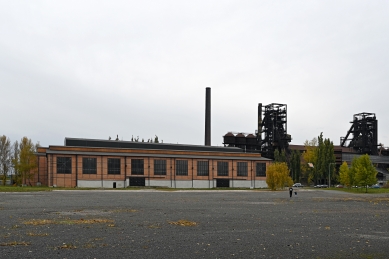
x=77, y=142
x=348, y=157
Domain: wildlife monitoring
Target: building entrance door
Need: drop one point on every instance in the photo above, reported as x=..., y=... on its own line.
x=222, y=182
x=137, y=181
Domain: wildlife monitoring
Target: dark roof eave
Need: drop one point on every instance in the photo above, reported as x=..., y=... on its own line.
x=74, y=142
x=156, y=155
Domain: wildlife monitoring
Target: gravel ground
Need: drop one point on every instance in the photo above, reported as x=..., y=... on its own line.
x=215, y=224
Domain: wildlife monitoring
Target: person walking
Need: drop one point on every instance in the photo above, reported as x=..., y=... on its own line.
x=290, y=192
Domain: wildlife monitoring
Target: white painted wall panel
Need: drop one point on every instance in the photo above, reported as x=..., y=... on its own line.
x=240, y=184
x=202, y=183
x=156, y=183
x=99, y=184
x=182, y=184
x=260, y=184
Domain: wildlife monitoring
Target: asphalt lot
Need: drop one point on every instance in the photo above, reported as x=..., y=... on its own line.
x=226, y=224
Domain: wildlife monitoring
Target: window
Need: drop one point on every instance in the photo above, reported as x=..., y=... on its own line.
x=64, y=165
x=159, y=167
x=113, y=165
x=181, y=167
x=222, y=168
x=202, y=168
x=89, y=165
x=261, y=169
x=137, y=166
x=242, y=168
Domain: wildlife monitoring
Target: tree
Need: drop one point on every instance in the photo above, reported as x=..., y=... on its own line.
x=15, y=157
x=295, y=165
x=280, y=157
x=277, y=176
x=5, y=157
x=329, y=159
x=319, y=165
x=365, y=173
x=324, y=154
x=344, y=175
x=351, y=172
x=309, y=158
x=25, y=162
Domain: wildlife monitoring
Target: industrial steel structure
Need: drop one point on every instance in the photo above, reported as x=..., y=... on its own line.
x=274, y=129
x=271, y=134
x=362, y=135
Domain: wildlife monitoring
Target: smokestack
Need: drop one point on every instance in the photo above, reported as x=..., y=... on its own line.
x=259, y=132
x=207, y=116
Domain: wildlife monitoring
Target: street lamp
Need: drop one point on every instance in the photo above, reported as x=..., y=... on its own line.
x=329, y=174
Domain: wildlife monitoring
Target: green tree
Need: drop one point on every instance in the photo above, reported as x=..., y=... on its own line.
x=295, y=165
x=5, y=157
x=344, y=175
x=25, y=162
x=277, y=176
x=324, y=158
x=318, y=156
x=329, y=160
x=365, y=173
x=15, y=158
x=280, y=157
x=319, y=166
x=352, y=171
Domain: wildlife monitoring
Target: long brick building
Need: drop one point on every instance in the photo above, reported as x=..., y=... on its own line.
x=119, y=164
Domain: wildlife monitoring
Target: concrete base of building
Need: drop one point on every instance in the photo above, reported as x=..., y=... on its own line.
x=182, y=184
x=101, y=184
x=203, y=184
x=241, y=184
x=159, y=183
x=196, y=184
x=260, y=184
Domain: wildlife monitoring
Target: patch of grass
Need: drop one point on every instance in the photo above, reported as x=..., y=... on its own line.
x=169, y=189
x=154, y=226
x=374, y=200
x=15, y=243
x=124, y=210
x=33, y=234
x=8, y=188
x=360, y=190
x=37, y=222
x=89, y=245
x=67, y=246
x=183, y=222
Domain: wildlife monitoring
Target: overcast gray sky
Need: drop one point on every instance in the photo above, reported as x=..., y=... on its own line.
x=94, y=69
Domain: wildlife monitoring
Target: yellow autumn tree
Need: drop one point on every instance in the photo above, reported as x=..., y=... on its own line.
x=309, y=158
x=344, y=175
x=25, y=163
x=277, y=176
